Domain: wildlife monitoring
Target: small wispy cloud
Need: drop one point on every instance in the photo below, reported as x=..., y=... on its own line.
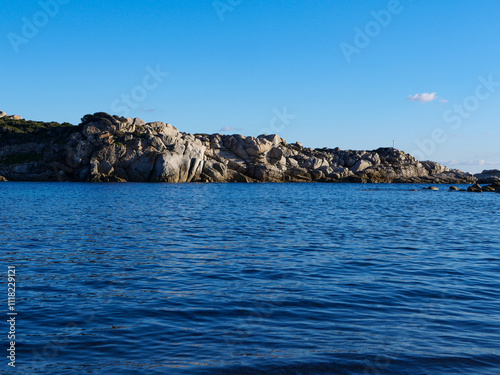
x=147, y=110
x=470, y=162
x=426, y=97
x=227, y=129
x=490, y=133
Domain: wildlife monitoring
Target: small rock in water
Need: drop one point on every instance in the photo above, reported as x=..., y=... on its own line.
x=431, y=188
x=476, y=188
x=454, y=188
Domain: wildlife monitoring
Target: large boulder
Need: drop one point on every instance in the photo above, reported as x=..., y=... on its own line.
x=177, y=168
x=141, y=167
x=214, y=171
x=361, y=166
x=476, y=188
x=433, y=167
x=236, y=144
x=105, y=168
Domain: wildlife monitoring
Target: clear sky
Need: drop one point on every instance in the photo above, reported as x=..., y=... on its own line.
x=346, y=73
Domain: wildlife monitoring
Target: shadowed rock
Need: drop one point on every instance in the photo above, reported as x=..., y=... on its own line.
x=476, y=188
x=488, y=177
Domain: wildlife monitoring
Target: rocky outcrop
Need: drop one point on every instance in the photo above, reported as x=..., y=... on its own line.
x=105, y=148
x=488, y=177
x=12, y=117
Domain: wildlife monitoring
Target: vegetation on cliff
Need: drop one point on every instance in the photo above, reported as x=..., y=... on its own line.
x=24, y=130
x=29, y=147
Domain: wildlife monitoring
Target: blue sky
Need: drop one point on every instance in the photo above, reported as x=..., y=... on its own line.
x=325, y=73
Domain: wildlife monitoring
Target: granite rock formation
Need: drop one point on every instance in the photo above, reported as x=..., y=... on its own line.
x=105, y=148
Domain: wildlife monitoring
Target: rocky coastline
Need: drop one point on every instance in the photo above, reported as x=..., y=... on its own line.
x=488, y=177
x=106, y=148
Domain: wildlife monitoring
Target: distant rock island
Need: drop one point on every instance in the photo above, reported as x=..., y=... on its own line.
x=106, y=148
x=488, y=177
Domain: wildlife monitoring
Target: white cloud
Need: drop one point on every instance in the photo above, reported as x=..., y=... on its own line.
x=227, y=129
x=489, y=133
x=425, y=97
x=471, y=162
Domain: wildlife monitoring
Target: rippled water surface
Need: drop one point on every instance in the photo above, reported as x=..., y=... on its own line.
x=252, y=279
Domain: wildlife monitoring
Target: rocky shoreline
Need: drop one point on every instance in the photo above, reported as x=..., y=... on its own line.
x=105, y=148
x=493, y=188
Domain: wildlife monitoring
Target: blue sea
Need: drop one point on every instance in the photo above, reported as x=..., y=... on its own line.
x=251, y=279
